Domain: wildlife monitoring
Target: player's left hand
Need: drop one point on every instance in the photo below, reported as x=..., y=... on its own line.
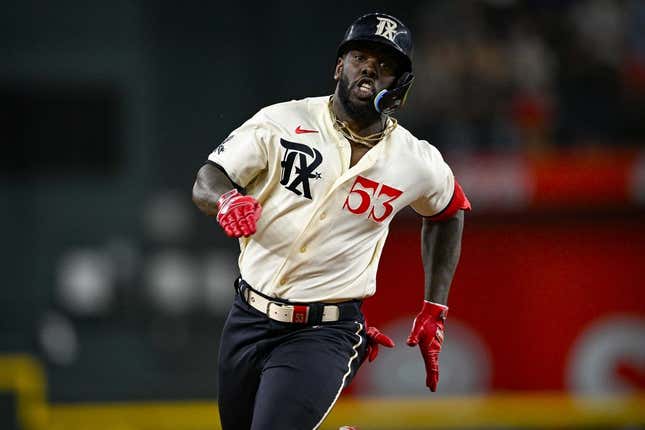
x=374, y=339
x=427, y=332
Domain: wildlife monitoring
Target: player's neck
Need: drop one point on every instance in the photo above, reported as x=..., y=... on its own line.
x=360, y=126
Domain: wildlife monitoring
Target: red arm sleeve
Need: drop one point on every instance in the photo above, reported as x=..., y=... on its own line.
x=457, y=202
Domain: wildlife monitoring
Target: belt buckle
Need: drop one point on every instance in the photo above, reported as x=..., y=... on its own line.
x=299, y=313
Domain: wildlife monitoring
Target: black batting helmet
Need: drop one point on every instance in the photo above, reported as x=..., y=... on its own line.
x=382, y=29
x=390, y=32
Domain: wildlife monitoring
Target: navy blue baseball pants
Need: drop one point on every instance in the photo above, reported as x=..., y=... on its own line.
x=285, y=376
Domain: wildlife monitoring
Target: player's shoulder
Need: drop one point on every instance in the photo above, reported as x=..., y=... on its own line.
x=280, y=113
x=412, y=144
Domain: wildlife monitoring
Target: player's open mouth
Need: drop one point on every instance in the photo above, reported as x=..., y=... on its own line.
x=365, y=88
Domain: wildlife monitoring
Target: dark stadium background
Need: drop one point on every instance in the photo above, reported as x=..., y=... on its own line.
x=114, y=287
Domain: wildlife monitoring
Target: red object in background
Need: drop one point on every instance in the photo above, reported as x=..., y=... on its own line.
x=580, y=179
x=528, y=288
x=583, y=180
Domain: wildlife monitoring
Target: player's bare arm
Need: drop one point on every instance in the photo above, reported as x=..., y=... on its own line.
x=440, y=251
x=209, y=186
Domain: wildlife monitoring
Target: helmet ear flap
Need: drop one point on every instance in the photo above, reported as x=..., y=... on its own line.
x=387, y=101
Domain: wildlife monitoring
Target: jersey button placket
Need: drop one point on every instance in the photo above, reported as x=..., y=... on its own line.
x=303, y=249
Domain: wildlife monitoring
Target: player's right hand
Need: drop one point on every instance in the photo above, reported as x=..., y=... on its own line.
x=238, y=214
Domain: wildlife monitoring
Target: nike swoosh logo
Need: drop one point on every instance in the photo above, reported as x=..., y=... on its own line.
x=302, y=130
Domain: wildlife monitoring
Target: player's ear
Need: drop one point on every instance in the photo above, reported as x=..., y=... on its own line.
x=339, y=69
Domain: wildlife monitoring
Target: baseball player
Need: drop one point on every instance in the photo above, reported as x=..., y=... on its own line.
x=310, y=187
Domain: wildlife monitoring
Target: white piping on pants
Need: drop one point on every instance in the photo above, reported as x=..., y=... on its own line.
x=349, y=370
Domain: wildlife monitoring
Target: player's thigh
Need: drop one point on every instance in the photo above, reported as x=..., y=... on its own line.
x=305, y=375
x=239, y=365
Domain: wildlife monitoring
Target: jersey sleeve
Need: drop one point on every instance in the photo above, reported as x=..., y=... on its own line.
x=444, y=196
x=243, y=154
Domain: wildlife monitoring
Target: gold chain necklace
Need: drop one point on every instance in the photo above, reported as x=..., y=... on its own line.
x=369, y=140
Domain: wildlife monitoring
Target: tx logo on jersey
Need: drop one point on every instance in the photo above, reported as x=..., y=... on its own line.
x=299, y=161
x=386, y=28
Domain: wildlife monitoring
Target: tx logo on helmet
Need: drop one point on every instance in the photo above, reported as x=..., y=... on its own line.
x=386, y=28
x=304, y=171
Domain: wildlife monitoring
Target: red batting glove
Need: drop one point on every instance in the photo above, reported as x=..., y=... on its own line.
x=427, y=332
x=374, y=339
x=238, y=213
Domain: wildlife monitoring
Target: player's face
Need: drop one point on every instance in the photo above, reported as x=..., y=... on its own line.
x=361, y=73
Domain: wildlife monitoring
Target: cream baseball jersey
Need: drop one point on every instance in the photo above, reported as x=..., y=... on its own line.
x=324, y=223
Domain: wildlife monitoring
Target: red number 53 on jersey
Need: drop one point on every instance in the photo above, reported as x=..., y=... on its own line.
x=368, y=195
